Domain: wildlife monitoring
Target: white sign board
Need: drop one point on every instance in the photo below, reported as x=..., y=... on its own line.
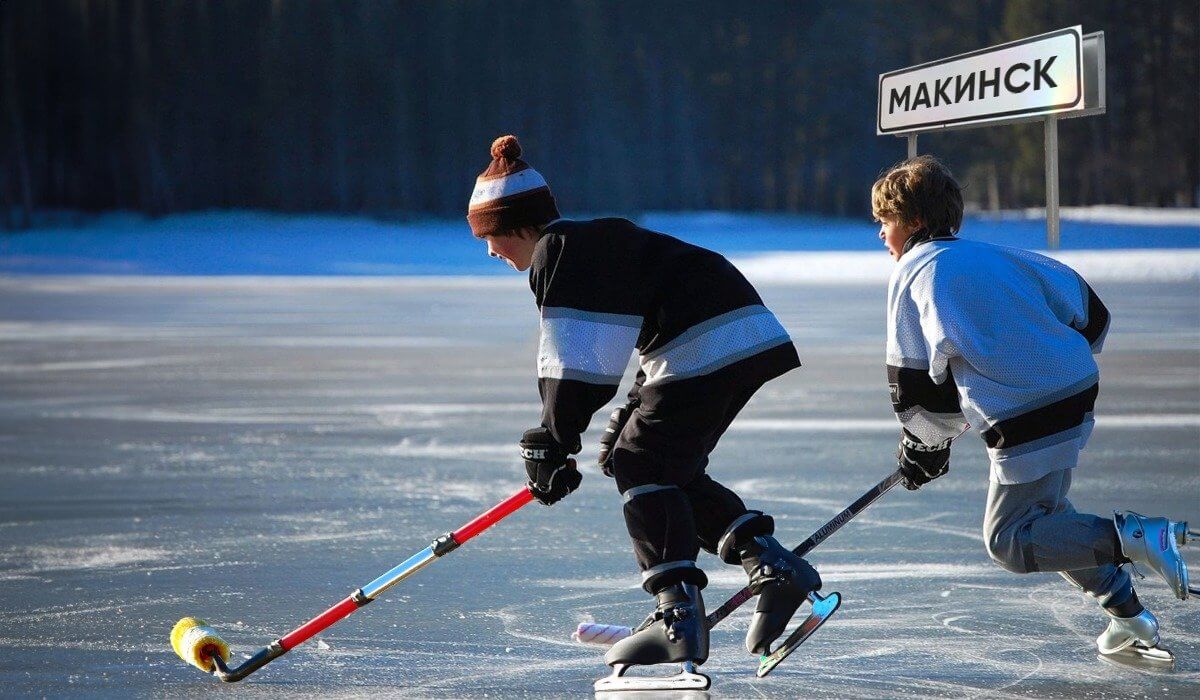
x=1032, y=77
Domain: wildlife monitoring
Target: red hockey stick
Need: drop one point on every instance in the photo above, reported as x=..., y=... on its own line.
x=198, y=644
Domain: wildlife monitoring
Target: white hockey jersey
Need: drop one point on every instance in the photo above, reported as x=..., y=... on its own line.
x=1001, y=337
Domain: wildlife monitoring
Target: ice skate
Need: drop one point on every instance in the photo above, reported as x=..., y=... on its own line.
x=822, y=609
x=782, y=582
x=1154, y=543
x=674, y=633
x=1133, y=641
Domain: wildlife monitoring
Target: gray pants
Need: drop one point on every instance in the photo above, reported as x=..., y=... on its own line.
x=1033, y=527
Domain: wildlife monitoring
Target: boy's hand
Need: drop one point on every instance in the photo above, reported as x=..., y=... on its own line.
x=616, y=423
x=920, y=463
x=552, y=472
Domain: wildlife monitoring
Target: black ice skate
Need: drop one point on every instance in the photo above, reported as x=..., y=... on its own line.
x=782, y=582
x=674, y=633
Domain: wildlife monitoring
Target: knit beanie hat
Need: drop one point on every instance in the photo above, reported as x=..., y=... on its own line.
x=509, y=194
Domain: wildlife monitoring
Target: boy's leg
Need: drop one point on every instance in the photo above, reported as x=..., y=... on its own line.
x=652, y=461
x=726, y=528
x=717, y=508
x=657, y=461
x=1033, y=527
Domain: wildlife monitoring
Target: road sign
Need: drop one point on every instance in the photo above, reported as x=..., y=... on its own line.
x=1047, y=77
x=1025, y=79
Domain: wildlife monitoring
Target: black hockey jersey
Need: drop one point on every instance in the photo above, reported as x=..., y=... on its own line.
x=605, y=287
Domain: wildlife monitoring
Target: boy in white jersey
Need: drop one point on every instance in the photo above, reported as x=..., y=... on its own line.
x=1005, y=337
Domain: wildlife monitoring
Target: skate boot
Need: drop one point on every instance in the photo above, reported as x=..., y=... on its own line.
x=1154, y=543
x=782, y=582
x=674, y=633
x=1131, y=639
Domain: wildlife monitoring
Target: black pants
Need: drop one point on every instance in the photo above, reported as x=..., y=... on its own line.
x=672, y=508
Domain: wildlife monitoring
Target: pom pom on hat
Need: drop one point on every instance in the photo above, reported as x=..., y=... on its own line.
x=506, y=147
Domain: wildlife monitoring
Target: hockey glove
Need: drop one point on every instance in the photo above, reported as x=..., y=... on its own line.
x=616, y=423
x=920, y=463
x=551, y=470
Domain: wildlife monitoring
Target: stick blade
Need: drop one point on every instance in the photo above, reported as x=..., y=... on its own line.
x=822, y=610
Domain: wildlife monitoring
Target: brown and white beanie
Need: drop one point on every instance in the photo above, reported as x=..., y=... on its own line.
x=509, y=194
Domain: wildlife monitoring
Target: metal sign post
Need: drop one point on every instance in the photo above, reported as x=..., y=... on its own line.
x=1047, y=77
x=1051, y=129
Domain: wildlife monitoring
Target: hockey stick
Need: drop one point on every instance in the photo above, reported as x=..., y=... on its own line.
x=610, y=634
x=813, y=540
x=198, y=644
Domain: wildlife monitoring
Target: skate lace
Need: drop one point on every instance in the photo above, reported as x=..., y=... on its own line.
x=673, y=618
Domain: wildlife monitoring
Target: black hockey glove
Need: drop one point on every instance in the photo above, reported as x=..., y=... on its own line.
x=920, y=463
x=616, y=423
x=552, y=472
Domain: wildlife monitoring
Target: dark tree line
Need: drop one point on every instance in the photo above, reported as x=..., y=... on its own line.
x=389, y=107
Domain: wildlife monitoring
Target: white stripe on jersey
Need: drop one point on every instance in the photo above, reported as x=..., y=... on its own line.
x=718, y=342
x=586, y=346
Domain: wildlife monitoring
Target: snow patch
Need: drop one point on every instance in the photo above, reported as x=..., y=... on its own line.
x=122, y=363
x=1108, y=214
x=103, y=557
x=408, y=447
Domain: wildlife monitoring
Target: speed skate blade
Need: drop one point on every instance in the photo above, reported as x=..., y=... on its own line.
x=618, y=682
x=822, y=610
x=1142, y=658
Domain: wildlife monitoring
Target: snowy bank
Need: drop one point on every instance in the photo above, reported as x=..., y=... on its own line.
x=1108, y=214
x=259, y=243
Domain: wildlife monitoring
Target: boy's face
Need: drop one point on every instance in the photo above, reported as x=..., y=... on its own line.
x=516, y=250
x=894, y=235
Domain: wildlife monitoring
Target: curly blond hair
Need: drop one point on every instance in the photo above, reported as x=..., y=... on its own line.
x=920, y=191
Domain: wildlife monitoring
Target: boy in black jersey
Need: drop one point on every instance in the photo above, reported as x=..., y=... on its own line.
x=705, y=343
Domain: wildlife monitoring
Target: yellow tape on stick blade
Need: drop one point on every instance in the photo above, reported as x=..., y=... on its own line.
x=196, y=643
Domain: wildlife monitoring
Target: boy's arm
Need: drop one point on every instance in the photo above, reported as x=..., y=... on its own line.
x=590, y=325
x=929, y=411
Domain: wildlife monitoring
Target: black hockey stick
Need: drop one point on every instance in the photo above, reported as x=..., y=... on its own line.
x=596, y=633
x=714, y=618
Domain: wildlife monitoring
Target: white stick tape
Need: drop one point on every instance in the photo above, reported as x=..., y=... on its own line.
x=596, y=633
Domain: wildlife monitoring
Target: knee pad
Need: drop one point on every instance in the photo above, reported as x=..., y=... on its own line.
x=671, y=573
x=744, y=528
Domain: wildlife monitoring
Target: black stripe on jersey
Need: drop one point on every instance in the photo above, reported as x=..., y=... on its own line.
x=1050, y=419
x=1098, y=318
x=914, y=387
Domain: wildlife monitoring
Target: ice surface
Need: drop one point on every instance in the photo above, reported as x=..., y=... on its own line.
x=160, y=458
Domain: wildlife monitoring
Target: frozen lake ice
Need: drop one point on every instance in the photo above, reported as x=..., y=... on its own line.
x=250, y=451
